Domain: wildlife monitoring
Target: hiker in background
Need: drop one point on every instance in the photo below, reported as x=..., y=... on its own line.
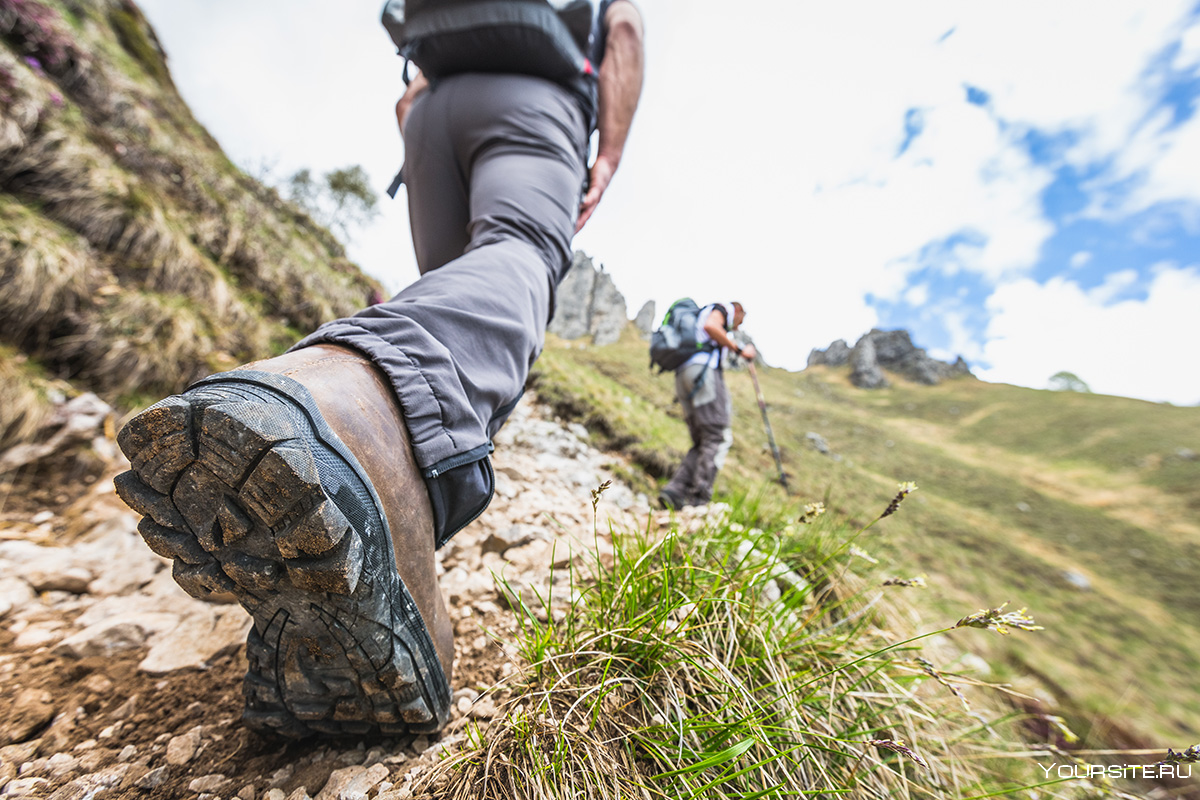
x=707, y=409
x=315, y=486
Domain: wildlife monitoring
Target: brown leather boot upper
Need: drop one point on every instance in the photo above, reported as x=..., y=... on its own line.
x=358, y=404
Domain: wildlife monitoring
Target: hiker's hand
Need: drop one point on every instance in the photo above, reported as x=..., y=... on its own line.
x=598, y=179
x=748, y=352
x=404, y=105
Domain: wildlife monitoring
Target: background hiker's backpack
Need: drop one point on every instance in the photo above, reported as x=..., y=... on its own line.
x=675, y=340
x=546, y=38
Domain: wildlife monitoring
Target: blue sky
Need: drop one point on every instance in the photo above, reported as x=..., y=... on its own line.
x=1016, y=182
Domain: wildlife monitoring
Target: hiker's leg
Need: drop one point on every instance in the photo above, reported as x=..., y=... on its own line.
x=439, y=207
x=712, y=422
x=458, y=343
x=679, y=488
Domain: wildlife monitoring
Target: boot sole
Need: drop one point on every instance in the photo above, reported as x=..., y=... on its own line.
x=241, y=482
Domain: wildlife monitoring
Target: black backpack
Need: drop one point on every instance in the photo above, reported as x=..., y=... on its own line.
x=545, y=38
x=675, y=340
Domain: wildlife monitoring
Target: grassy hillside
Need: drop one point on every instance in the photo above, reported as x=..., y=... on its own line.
x=1081, y=507
x=134, y=257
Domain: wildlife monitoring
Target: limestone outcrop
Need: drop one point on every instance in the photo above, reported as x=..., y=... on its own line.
x=878, y=352
x=588, y=304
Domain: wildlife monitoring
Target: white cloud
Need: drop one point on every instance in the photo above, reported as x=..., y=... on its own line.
x=1128, y=347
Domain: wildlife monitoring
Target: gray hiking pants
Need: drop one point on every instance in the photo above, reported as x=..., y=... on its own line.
x=708, y=412
x=495, y=166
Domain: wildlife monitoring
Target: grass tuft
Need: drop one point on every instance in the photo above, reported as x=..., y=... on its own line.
x=728, y=660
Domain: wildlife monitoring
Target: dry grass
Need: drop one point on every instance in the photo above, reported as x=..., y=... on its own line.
x=134, y=258
x=142, y=342
x=46, y=276
x=24, y=398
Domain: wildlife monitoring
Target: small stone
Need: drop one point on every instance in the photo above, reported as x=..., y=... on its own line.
x=30, y=711
x=420, y=744
x=499, y=541
x=93, y=760
x=281, y=775
x=104, y=639
x=484, y=708
x=246, y=792
x=274, y=794
x=61, y=764
x=72, y=579
x=126, y=709
x=1077, y=579
x=182, y=749
x=353, y=783
x=209, y=783
x=15, y=593
x=127, y=753
x=27, y=787
x=36, y=636
x=153, y=779
x=98, y=683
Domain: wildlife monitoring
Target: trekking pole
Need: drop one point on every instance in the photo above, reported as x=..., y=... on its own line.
x=762, y=405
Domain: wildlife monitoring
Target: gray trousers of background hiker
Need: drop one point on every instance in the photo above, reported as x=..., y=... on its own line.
x=708, y=413
x=495, y=166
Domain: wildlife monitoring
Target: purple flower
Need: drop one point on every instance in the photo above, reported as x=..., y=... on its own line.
x=33, y=63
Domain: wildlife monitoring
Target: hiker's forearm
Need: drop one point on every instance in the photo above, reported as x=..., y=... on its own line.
x=620, y=81
x=714, y=326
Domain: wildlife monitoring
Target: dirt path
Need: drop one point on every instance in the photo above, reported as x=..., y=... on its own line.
x=121, y=685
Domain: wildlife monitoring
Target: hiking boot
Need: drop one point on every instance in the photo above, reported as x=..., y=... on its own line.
x=668, y=501
x=290, y=483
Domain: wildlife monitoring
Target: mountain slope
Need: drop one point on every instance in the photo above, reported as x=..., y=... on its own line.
x=1081, y=507
x=134, y=257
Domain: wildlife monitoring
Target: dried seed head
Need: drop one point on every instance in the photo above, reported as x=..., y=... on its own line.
x=998, y=620
x=916, y=583
x=938, y=676
x=599, y=490
x=1189, y=756
x=811, y=512
x=905, y=489
x=898, y=746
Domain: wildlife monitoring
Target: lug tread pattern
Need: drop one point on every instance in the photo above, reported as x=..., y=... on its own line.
x=230, y=489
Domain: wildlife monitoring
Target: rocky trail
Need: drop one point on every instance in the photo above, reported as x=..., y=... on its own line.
x=118, y=684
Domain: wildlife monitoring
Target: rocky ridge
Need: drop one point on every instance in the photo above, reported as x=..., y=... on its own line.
x=878, y=352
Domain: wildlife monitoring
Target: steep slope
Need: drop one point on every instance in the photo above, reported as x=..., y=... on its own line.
x=134, y=257
x=1081, y=507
